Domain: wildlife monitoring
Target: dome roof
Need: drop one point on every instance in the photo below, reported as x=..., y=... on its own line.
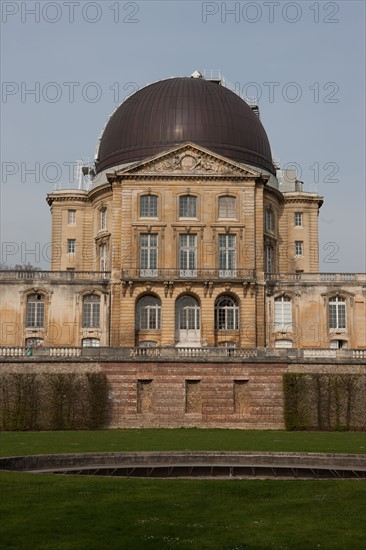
x=174, y=111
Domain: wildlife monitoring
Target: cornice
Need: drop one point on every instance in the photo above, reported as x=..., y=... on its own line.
x=51, y=198
x=296, y=200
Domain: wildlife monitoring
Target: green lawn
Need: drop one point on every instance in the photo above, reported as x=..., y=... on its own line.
x=53, y=512
x=22, y=443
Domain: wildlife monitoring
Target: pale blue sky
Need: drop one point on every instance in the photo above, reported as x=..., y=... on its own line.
x=324, y=130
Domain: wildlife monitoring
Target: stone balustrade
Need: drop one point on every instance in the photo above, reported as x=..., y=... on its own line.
x=179, y=353
x=316, y=277
x=35, y=275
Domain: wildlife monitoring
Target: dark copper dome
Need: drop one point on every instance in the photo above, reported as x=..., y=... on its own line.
x=167, y=113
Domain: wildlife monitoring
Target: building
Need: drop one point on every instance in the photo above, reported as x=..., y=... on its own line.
x=188, y=240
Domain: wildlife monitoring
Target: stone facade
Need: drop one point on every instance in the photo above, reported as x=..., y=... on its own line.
x=236, y=241
x=186, y=250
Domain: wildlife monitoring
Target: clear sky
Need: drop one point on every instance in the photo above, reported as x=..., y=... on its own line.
x=306, y=61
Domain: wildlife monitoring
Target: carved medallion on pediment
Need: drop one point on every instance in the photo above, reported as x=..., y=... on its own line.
x=189, y=162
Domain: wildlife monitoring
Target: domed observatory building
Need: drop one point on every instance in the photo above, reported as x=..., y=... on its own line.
x=188, y=258
x=187, y=228
x=186, y=214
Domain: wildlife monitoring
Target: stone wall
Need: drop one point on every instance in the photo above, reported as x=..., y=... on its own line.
x=202, y=393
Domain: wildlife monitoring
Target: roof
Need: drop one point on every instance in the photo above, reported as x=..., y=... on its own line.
x=175, y=111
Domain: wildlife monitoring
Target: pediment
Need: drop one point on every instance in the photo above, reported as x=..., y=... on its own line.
x=189, y=160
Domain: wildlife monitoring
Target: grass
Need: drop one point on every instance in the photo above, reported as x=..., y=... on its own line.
x=54, y=512
x=22, y=443
x=57, y=512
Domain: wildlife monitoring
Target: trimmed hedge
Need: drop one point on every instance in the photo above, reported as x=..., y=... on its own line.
x=324, y=401
x=53, y=401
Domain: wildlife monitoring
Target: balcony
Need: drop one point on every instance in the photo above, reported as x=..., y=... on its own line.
x=185, y=274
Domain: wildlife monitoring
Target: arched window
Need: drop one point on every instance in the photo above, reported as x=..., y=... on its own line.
x=227, y=207
x=90, y=342
x=149, y=206
x=148, y=313
x=187, y=313
x=35, y=311
x=226, y=313
x=337, y=313
x=91, y=311
x=283, y=313
x=187, y=206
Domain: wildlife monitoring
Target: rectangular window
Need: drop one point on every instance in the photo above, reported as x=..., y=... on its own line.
x=298, y=219
x=283, y=314
x=187, y=207
x=35, y=314
x=149, y=206
x=337, y=313
x=148, y=255
x=227, y=255
x=269, y=219
x=188, y=255
x=298, y=248
x=269, y=259
x=71, y=217
x=71, y=246
x=227, y=207
x=103, y=218
x=103, y=257
x=91, y=312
